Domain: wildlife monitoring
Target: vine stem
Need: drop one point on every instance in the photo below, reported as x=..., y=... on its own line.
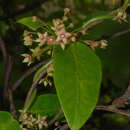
x=110, y=108
x=53, y=120
x=34, y=85
x=26, y=74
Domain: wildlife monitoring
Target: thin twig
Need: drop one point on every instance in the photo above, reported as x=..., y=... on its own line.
x=117, y=104
x=12, y=105
x=115, y=35
x=27, y=73
x=8, y=69
x=64, y=127
x=56, y=117
x=34, y=85
x=110, y=108
x=3, y=49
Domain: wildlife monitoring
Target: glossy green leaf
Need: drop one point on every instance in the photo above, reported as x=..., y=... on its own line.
x=7, y=122
x=77, y=77
x=46, y=104
x=28, y=21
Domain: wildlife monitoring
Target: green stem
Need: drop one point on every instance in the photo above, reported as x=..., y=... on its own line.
x=94, y=20
x=33, y=95
x=125, y=5
x=46, y=49
x=89, y=22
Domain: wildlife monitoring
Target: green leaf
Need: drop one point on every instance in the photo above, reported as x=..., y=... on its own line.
x=77, y=77
x=46, y=104
x=28, y=21
x=7, y=122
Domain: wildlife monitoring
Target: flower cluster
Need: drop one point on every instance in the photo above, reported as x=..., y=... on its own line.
x=28, y=121
x=94, y=44
x=47, y=80
x=60, y=32
x=37, y=41
x=121, y=16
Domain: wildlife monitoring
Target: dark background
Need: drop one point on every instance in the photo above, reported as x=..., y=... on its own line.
x=115, y=58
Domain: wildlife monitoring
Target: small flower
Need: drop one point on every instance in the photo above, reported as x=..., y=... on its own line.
x=41, y=121
x=45, y=81
x=103, y=44
x=27, y=38
x=28, y=41
x=65, y=18
x=57, y=22
x=27, y=120
x=58, y=25
x=34, y=18
x=26, y=33
x=50, y=70
x=42, y=38
x=36, y=53
x=27, y=59
x=22, y=128
x=72, y=38
x=62, y=38
x=93, y=44
x=121, y=16
x=66, y=11
x=50, y=40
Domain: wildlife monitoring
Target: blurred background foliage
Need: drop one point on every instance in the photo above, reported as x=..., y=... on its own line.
x=115, y=58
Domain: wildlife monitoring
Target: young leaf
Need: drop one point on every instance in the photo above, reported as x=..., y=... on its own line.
x=30, y=23
x=46, y=104
x=7, y=122
x=77, y=77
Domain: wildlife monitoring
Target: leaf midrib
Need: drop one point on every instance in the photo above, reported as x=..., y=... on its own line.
x=77, y=104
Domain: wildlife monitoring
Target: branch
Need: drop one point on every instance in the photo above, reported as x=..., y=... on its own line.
x=26, y=74
x=8, y=69
x=110, y=108
x=27, y=8
x=33, y=87
x=12, y=105
x=117, y=104
x=64, y=127
x=55, y=118
x=115, y=35
x=3, y=49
